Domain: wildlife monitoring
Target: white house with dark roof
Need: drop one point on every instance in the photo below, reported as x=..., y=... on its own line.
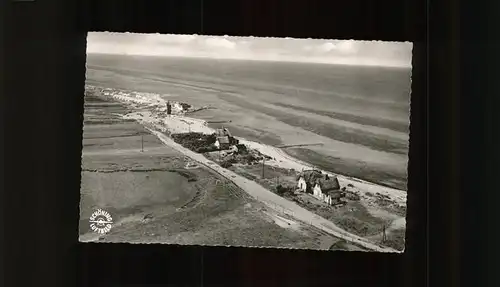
x=306, y=180
x=322, y=186
x=327, y=189
x=302, y=184
x=224, y=139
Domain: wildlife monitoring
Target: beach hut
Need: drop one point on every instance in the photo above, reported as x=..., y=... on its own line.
x=222, y=142
x=327, y=189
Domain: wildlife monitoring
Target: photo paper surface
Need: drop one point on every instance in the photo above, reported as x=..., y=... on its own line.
x=245, y=141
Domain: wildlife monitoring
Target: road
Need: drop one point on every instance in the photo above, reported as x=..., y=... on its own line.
x=284, y=160
x=272, y=200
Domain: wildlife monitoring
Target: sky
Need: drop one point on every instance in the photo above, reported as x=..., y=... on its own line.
x=347, y=52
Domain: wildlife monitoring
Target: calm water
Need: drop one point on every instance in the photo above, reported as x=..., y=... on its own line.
x=360, y=113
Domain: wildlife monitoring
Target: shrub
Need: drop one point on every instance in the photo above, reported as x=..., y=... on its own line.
x=205, y=149
x=352, y=196
x=195, y=141
x=226, y=164
x=282, y=190
x=242, y=149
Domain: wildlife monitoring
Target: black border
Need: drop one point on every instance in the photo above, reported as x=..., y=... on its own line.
x=44, y=67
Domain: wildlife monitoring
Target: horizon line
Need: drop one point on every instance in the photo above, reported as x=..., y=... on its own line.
x=258, y=60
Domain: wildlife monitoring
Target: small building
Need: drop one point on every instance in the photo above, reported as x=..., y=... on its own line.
x=307, y=179
x=322, y=186
x=224, y=132
x=302, y=184
x=222, y=142
x=169, y=108
x=327, y=189
x=332, y=197
x=177, y=108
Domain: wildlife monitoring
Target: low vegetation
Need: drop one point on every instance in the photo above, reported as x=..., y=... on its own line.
x=339, y=245
x=196, y=142
x=284, y=190
x=396, y=239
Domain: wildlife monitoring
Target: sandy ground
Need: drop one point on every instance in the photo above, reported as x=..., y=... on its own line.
x=261, y=194
x=150, y=115
x=128, y=172
x=179, y=124
x=361, y=116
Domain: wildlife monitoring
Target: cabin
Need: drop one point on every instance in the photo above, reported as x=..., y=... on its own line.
x=302, y=184
x=332, y=197
x=224, y=132
x=307, y=179
x=178, y=107
x=222, y=142
x=327, y=189
x=321, y=186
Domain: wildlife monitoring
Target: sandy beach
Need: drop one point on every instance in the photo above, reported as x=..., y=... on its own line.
x=155, y=194
x=359, y=116
x=152, y=114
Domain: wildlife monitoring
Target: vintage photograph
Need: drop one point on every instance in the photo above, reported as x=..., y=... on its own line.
x=245, y=141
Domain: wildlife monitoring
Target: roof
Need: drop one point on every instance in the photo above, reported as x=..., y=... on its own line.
x=332, y=183
x=223, y=140
x=334, y=193
x=310, y=176
x=222, y=132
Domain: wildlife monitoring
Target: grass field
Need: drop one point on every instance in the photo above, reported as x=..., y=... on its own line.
x=353, y=217
x=154, y=197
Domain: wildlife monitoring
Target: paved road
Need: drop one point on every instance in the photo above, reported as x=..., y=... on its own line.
x=283, y=160
x=272, y=200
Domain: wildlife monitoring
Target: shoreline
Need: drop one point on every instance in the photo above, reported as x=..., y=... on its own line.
x=182, y=124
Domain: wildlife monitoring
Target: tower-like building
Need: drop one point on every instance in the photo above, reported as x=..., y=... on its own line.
x=169, y=108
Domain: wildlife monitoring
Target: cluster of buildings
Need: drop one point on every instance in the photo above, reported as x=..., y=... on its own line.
x=176, y=107
x=322, y=186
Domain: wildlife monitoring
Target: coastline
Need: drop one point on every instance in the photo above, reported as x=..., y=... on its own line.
x=153, y=111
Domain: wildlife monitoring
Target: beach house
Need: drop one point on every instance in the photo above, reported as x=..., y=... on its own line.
x=169, y=108
x=307, y=179
x=224, y=139
x=322, y=186
x=302, y=184
x=222, y=142
x=327, y=189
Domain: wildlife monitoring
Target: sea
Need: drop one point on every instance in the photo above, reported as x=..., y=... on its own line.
x=359, y=115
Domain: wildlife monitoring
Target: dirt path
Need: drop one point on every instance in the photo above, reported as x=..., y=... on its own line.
x=272, y=200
